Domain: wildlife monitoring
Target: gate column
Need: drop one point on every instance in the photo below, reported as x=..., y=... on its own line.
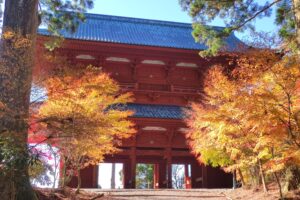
x=156, y=176
x=162, y=174
x=169, y=167
x=132, y=166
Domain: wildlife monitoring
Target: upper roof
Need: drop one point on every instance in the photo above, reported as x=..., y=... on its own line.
x=134, y=31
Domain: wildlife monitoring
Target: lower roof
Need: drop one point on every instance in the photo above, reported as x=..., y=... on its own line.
x=154, y=111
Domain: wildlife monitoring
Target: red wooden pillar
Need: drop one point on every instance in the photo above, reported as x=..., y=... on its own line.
x=127, y=174
x=95, y=176
x=163, y=175
x=187, y=178
x=204, y=176
x=186, y=170
x=168, y=153
x=132, y=166
x=197, y=175
x=169, y=167
x=156, y=176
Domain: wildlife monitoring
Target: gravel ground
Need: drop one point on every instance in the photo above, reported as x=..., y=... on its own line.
x=163, y=194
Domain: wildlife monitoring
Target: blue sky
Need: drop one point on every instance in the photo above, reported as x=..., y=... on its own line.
x=167, y=10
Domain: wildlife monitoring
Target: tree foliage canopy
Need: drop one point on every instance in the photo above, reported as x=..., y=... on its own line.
x=81, y=117
x=250, y=118
x=239, y=15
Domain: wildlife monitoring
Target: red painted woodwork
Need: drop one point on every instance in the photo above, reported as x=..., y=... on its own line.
x=167, y=84
x=188, y=182
x=156, y=176
x=88, y=178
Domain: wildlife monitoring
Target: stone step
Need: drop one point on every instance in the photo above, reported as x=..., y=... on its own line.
x=162, y=194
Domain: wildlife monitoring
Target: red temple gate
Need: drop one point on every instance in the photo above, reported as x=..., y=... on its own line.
x=159, y=63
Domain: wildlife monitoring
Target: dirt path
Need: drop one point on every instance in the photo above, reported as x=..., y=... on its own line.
x=166, y=194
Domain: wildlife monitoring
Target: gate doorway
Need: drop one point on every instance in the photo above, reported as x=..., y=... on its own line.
x=144, y=176
x=110, y=176
x=181, y=176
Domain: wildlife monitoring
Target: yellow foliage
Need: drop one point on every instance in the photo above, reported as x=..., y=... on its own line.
x=250, y=114
x=7, y=35
x=80, y=114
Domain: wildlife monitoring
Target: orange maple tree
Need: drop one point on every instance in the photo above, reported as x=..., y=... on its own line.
x=81, y=117
x=249, y=120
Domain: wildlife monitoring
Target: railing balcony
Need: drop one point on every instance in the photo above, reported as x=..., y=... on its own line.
x=157, y=87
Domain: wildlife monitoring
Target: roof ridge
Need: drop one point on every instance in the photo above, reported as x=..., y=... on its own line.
x=144, y=20
x=139, y=20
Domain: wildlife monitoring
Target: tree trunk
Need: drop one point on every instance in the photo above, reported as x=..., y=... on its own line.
x=262, y=175
x=292, y=178
x=234, y=183
x=66, y=178
x=78, y=179
x=113, y=172
x=279, y=185
x=296, y=6
x=62, y=182
x=20, y=17
x=241, y=177
x=56, y=165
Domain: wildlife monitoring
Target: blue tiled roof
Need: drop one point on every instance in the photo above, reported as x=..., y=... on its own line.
x=135, y=31
x=154, y=111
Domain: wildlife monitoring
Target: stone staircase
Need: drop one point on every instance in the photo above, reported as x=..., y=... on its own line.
x=162, y=194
